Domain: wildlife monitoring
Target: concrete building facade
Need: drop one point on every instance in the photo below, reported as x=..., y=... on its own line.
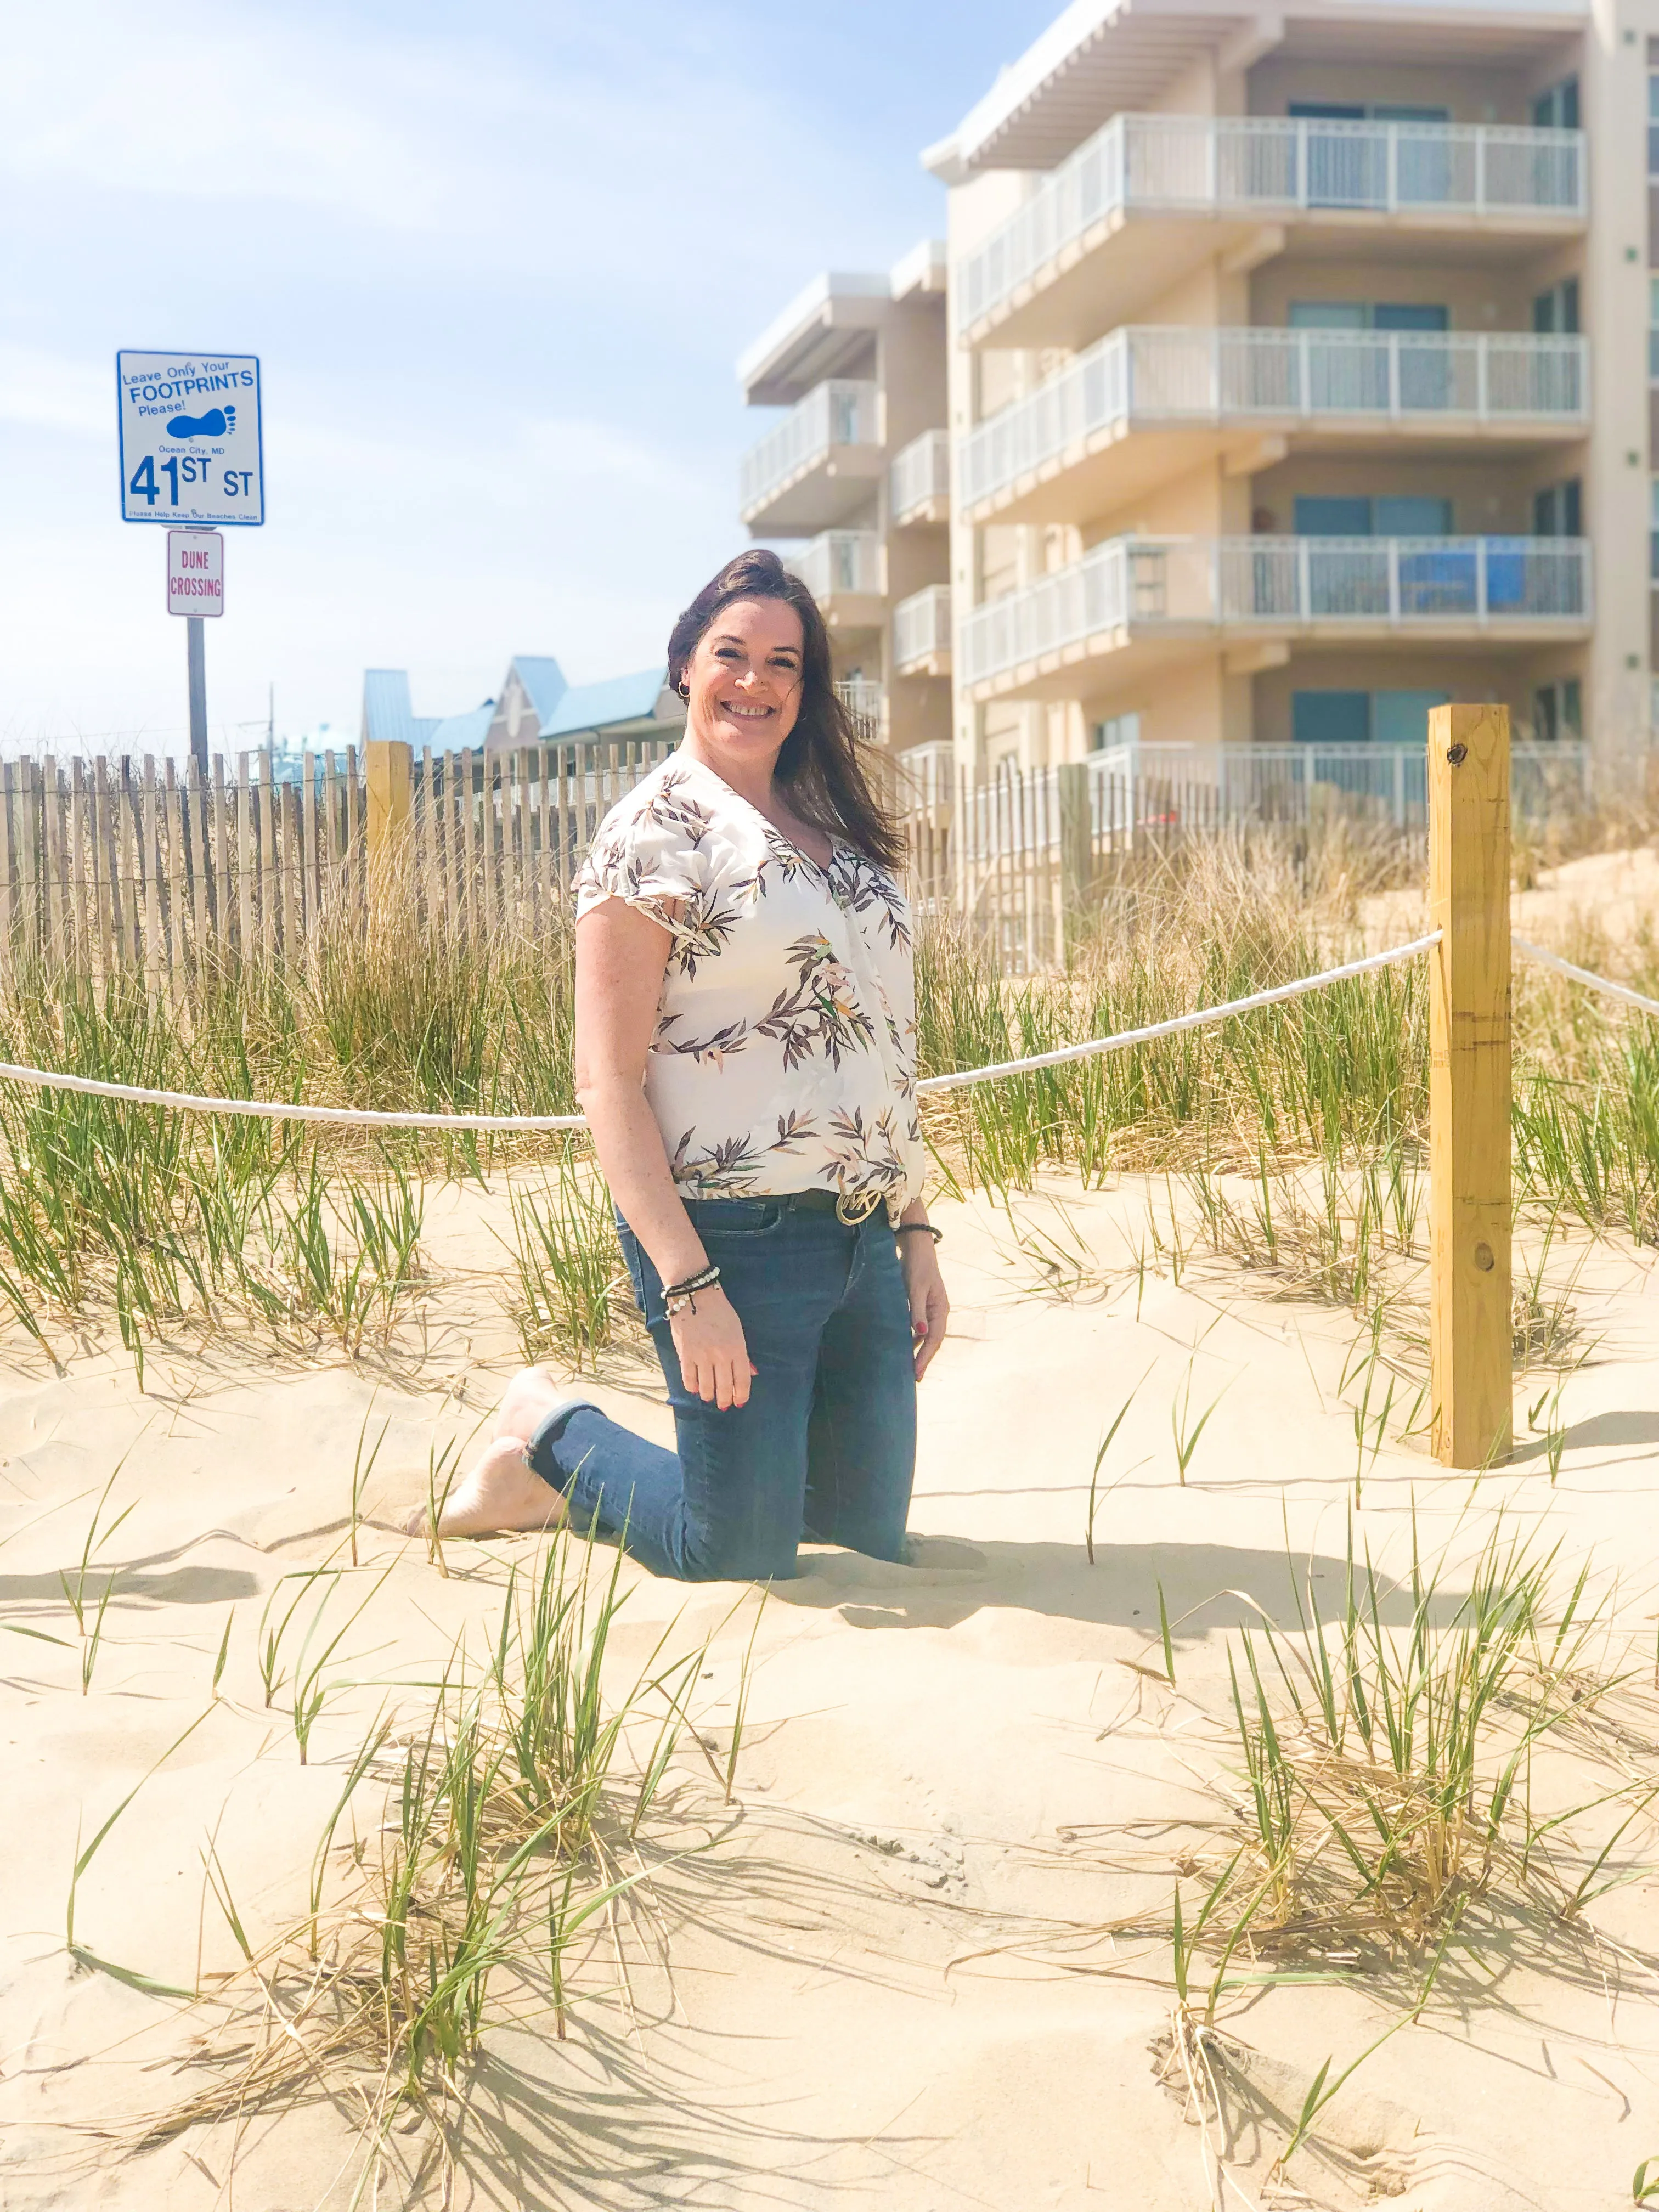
x=856, y=473
x=1298, y=378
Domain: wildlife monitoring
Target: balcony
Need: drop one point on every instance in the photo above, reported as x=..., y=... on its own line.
x=1149, y=196
x=1132, y=603
x=1148, y=402
x=820, y=464
x=919, y=485
x=866, y=702
x=922, y=633
x=1382, y=781
x=846, y=572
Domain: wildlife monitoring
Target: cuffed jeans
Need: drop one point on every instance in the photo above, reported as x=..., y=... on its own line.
x=825, y=1450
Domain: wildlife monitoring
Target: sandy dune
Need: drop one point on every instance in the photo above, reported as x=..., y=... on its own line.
x=888, y=1981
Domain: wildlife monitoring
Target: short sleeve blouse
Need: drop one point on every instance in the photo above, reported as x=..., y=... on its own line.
x=784, y=1056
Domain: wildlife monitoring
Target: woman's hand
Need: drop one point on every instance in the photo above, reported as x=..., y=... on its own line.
x=930, y=1308
x=713, y=1356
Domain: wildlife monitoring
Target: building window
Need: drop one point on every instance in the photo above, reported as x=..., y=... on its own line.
x=1349, y=718
x=1557, y=108
x=1558, y=510
x=1653, y=123
x=1117, y=730
x=1557, y=711
x=1408, y=516
x=1653, y=529
x=1653, y=330
x=1557, y=310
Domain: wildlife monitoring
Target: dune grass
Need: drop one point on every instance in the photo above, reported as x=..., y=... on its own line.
x=162, y=1218
x=464, y=1856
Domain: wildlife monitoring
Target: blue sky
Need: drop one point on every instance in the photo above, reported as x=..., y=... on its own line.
x=498, y=258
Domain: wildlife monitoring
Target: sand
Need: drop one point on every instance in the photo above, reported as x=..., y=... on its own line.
x=891, y=1977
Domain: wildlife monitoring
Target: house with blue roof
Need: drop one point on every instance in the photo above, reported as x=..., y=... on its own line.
x=387, y=713
x=535, y=705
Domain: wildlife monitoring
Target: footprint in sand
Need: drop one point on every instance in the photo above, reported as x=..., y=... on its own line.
x=213, y=424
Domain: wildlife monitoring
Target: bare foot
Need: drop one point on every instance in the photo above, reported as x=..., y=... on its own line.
x=501, y=1493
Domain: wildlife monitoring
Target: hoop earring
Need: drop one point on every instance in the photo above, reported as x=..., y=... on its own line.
x=684, y=690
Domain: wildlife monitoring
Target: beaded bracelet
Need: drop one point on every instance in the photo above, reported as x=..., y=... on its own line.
x=920, y=1229
x=682, y=1297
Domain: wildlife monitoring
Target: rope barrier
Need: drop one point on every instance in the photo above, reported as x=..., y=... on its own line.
x=1605, y=984
x=263, y=1110
x=1193, y=1020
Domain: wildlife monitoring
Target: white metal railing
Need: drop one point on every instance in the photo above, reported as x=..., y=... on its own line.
x=921, y=626
x=1277, y=781
x=1290, y=582
x=1147, y=374
x=839, y=412
x=922, y=474
x=861, y=696
x=1278, y=163
x=840, y=560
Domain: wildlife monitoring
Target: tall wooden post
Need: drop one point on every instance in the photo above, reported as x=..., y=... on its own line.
x=387, y=768
x=1471, y=1362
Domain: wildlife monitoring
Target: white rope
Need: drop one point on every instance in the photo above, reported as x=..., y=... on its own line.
x=1124, y=1038
x=1605, y=984
x=263, y=1109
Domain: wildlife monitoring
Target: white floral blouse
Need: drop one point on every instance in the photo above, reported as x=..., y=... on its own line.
x=784, y=1058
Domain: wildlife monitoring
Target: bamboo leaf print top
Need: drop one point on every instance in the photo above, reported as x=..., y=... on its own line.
x=784, y=1057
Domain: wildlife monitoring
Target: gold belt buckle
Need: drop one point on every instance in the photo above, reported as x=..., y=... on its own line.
x=853, y=1206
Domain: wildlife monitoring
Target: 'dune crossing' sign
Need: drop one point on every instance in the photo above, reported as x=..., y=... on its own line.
x=191, y=444
x=195, y=572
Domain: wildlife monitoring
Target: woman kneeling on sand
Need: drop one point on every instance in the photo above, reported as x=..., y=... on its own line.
x=745, y=1047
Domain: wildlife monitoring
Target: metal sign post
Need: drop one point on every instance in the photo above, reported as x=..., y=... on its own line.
x=192, y=457
x=195, y=589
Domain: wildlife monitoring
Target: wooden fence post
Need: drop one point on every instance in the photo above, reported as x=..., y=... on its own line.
x=1077, y=851
x=1471, y=1359
x=389, y=764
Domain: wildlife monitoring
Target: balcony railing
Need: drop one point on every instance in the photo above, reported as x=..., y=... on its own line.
x=921, y=627
x=1274, y=782
x=839, y=563
x=1254, y=583
x=921, y=481
x=1183, y=376
x=1273, y=165
x=840, y=412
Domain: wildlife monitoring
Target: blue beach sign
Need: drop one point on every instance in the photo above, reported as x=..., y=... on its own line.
x=192, y=448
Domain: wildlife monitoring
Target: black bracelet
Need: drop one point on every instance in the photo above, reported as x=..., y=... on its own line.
x=677, y=1298
x=920, y=1229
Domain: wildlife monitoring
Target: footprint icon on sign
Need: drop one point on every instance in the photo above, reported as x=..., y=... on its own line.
x=213, y=424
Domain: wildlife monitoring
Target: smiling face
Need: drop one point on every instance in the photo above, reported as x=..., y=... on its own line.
x=745, y=682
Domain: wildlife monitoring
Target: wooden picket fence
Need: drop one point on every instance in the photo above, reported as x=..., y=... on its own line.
x=147, y=864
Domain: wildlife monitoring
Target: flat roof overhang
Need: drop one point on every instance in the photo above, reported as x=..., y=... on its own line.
x=1103, y=57
x=1105, y=662
x=1098, y=475
x=1121, y=264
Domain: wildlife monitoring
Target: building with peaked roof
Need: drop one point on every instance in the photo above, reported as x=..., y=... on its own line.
x=857, y=467
x=387, y=713
x=535, y=706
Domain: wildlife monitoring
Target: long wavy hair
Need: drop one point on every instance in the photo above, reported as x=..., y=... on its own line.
x=818, y=766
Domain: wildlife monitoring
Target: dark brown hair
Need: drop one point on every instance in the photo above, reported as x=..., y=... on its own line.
x=818, y=766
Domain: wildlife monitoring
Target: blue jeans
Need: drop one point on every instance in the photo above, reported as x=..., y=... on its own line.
x=825, y=1448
